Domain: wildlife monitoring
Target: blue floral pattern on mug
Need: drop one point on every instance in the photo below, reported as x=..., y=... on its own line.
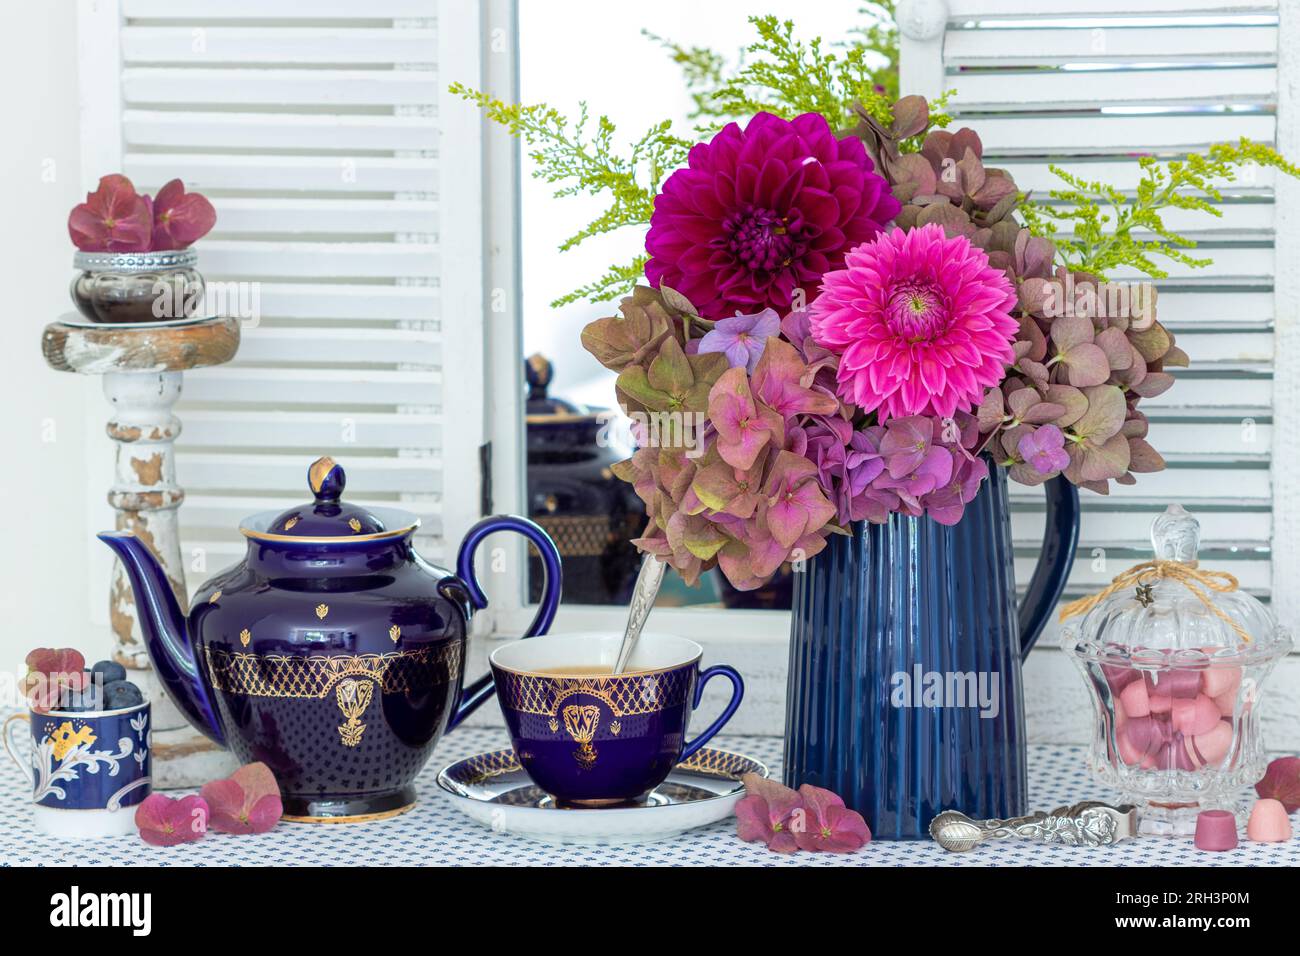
x=91, y=761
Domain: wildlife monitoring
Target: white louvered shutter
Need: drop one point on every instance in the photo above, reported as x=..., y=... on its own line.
x=349, y=185
x=1087, y=85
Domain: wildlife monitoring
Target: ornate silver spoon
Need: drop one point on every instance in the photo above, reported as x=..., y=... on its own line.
x=1090, y=823
x=643, y=600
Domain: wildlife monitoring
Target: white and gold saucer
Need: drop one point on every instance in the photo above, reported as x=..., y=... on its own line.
x=493, y=789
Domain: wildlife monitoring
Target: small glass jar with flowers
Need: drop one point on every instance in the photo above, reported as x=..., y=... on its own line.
x=134, y=255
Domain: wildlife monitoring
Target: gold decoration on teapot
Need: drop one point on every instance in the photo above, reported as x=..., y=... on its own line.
x=322, y=610
x=354, y=524
x=245, y=637
x=554, y=725
x=353, y=696
x=291, y=522
x=616, y=728
x=394, y=633
x=216, y=596
x=315, y=676
x=581, y=720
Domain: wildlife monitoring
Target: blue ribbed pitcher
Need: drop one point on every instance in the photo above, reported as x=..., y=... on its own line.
x=906, y=643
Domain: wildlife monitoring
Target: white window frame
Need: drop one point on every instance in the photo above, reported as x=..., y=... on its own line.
x=757, y=641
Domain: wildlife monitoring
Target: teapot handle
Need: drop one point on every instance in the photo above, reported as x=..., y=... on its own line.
x=474, y=694
x=1060, y=538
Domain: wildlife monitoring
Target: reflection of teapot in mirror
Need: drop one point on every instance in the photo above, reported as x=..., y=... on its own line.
x=572, y=493
x=333, y=652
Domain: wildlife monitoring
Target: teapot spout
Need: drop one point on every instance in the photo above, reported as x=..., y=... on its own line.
x=165, y=635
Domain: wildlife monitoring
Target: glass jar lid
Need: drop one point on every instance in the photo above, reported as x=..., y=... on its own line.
x=1172, y=611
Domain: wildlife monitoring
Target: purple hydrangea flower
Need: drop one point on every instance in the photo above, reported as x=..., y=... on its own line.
x=742, y=338
x=1044, y=449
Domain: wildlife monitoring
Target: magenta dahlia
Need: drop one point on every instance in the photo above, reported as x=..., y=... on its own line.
x=762, y=212
x=921, y=322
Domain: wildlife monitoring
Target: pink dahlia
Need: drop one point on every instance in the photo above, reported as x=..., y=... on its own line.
x=762, y=212
x=921, y=322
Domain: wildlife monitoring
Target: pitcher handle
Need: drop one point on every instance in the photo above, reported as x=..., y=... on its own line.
x=1060, y=538
x=7, y=735
x=474, y=694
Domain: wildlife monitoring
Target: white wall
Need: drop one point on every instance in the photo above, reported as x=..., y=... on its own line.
x=44, y=596
x=594, y=50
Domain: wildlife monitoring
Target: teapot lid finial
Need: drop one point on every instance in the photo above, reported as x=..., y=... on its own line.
x=326, y=479
x=327, y=516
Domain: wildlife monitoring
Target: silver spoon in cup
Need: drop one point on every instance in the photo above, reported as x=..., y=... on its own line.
x=647, y=586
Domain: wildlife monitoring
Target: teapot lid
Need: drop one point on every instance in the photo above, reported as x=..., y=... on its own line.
x=328, y=516
x=543, y=409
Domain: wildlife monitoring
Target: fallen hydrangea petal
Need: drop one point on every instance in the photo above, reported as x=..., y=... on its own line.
x=830, y=826
x=166, y=822
x=763, y=815
x=246, y=802
x=1281, y=782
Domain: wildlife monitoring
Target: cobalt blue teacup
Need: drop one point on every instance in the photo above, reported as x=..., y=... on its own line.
x=588, y=738
x=88, y=769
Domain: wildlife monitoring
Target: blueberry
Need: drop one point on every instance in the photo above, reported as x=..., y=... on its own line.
x=122, y=693
x=90, y=697
x=109, y=671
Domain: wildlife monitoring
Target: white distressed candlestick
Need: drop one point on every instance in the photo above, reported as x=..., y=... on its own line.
x=141, y=370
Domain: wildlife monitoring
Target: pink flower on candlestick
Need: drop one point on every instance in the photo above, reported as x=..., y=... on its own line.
x=180, y=218
x=114, y=218
x=921, y=322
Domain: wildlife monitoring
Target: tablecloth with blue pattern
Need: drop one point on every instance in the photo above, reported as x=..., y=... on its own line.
x=436, y=833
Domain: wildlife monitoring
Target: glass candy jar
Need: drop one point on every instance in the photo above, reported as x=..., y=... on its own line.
x=1175, y=658
x=131, y=287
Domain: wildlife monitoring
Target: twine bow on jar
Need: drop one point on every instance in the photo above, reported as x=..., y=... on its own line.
x=1146, y=573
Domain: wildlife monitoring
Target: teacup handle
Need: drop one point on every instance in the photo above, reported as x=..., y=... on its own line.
x=7, y=733
x=737, y=693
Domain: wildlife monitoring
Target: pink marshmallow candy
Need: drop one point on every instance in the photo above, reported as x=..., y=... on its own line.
x=1173, y=683
x=1211, y=747
x=1227, y=703
x=1220, y=681
x=1118, y=676
x=1134, y=700
x=1140, y=740
x=1216, y=830
x=1269, y=822
x=1197, y=715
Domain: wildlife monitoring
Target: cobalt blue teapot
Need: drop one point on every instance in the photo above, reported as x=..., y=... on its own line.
x=333, y=652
